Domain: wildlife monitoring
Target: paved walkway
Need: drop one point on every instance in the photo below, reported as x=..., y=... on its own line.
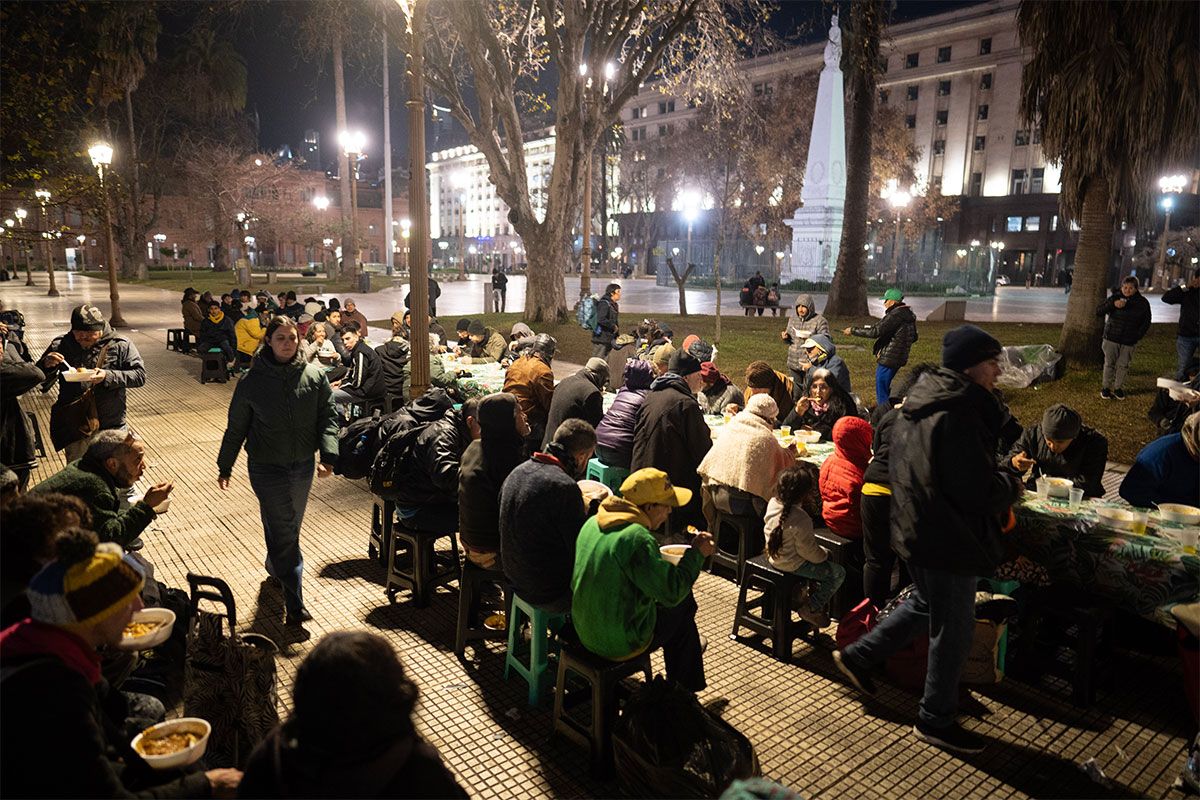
x=810, y=731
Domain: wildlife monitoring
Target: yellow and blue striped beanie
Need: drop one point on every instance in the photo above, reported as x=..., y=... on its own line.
x=84, y=588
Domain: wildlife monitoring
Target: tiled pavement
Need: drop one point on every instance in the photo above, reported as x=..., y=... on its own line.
x=810, y=731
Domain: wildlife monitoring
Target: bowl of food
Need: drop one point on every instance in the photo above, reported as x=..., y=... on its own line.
x=1123, y=519
x=149, y=628
x=808, y=437
x=1178, y=512
x=78, y=375
x=174, y=743
x=1059, y=487
x=593, y=490
x=674, y=552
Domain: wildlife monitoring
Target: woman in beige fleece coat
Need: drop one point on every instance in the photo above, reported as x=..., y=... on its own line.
x=746, y=457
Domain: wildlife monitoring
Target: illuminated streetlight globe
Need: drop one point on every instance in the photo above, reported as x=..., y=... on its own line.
x=101, y=154
x=327, y=242
x=21, y=213
x=42, y=195
x=353, y=142
x=1172, y=183
x=321, y=202
x=81, y=239
x=160, y=237
x=758, y=248
x=443, y=245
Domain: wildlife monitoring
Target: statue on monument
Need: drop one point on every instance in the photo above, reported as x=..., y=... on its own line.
x=833, y=48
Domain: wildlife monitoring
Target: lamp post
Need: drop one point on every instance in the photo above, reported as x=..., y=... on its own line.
x=321, y=203
x=689, y=203
x=418, y=280
x=458, y=182
x=43, y=196
x=443, y=245
x=779, y=254
x=79, y=265
x=101, y=154
x=159, y=240
x=353, y=145
x=994, y=251
x=1168, y=185
x=898, y=199
x=21, y=214
x=326, y=244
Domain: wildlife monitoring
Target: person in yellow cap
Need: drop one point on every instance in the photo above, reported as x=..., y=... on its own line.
x=626, y=598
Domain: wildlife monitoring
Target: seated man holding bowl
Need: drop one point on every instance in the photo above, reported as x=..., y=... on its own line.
x=1061, y=446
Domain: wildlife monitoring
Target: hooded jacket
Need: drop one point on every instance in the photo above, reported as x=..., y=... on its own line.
x=1125, y=325
x=607, y=317
x=123, y=370
x=671, y=435
x=620, y=577
x=746, y=456
x=192, y=316
x=894, y=336
x=840, y=405
x=827, y=358
x=579, y=396
x=430, y=473
x=213, y=333
x=282, y=413
x=394, y=356
x=531, y=380
x=1082, y=462
x=17, y=376
x=716, y=398
x=1188, y=300
x=842, y=477
x=249, y=331
x=489, y=351
x=800, y=328
x=615, y=431
x=948, y=495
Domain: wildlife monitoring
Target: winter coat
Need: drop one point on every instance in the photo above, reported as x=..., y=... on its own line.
x=671, y=435
x=1125, y=325
x=746, y=456
x=615, y=431
x=948, y=496
x=1188, y=301
x=1082, y=462
x=52, y=684
x=620, y=578
x=356, y=316
x=1163, y=472
x=798, y=545
x=409, y=767
x=830, y=360
x=894, y=336
x=478, y=501
x=576, y=397
x=91, y=483
x=365, y=379
x=489, y=351
x=212, y=334
x=541, y=512
x=17, y=376
x=249, y=332
x=429, y=475
x=842, y=477
x=282, y=413
x=840, y=405
x=123, y=369
x=193, y=316
x=531, y=381
x=716, y=398
x=800, y=328
x=607, y=320
x=881, y=443
x=394, y=355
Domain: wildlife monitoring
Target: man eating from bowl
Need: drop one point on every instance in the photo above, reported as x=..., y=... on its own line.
x=64, y=736
x=1061, y=446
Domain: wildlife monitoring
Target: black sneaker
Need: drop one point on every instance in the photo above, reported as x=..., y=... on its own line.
x=1118, y=394
x=298, y=617
x=858, y=677
x=954, y=737
x=1105, y=394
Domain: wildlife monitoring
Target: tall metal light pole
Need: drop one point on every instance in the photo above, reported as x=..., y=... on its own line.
x=43, y=196
x=101, y=154
x=321, y=203
x=418, y=278
x=389, y=233
x=21, y=214
x=1168, y=185
x=79, y=259
x=353, y=145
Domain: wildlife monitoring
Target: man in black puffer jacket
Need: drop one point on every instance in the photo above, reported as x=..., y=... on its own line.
x=580, y=396
x=1128, y=321
x=607, y=321
x=894, y=337
x=949, y=501
x=427, y=497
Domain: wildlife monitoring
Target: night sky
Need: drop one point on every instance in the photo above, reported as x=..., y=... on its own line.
x=291, y=95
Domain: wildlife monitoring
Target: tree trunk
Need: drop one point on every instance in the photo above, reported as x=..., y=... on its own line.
x=717, y=280
x=339, y=91
x=135, y=254
x=1082, y=329
x=680, y=281
x=545, y=293
x=848, y=292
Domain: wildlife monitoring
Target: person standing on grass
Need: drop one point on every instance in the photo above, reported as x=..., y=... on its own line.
x=282, y=411
x=894, y=337
x=948, y=501
x=1128, y=321
x=1187, y=340
x=607, y=321
x=499, y=289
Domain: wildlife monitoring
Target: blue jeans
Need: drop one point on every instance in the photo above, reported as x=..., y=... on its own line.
x=883, y=384
x=282, y=497
x=1185, y=348
x=826, y=577
x=944, y=605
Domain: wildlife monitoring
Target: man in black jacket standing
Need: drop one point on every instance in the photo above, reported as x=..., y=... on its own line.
x=894, y=336
x=1128, y=315
x=606, y=321
x=1187, y=340
x=949, y=499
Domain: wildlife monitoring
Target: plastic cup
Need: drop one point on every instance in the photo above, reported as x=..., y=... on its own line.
x=727, y=417
x=785, y=430
x=1075, y=499
x=1043, y=488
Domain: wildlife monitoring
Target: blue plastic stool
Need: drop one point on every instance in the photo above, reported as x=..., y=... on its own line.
x=612, y=477
x=541, y=624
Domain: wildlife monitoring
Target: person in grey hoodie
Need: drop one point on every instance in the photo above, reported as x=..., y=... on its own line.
x=822, y=353
x=803, y=325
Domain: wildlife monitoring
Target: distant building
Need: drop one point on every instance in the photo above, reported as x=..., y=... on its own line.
x=310, y=151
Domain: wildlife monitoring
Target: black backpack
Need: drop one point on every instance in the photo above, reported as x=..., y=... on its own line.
x=397, y=435
x=358, y=443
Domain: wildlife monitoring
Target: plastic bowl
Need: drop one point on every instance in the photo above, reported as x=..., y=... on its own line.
x=1178, y=512
x=181, y=758
x=164, y=616
x=808, y=437
x=593, y=489
x=76, y=376
x=1123, y=519
x=674, y=552
x=1188, y=537
x=1059, y=487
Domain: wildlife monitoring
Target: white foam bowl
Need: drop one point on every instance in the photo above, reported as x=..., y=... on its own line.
x=808, y=437
x=674, y=553
x=155, y=637
x=1059, y=487
x=593, y=489
x=1188, y=537
x=182, y=758
x=1122, y=519
x=1178, y=512
x=75, y=376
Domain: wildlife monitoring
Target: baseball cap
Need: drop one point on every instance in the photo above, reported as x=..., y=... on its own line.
x=893, y=294
x=651, y=485
x=86, y=318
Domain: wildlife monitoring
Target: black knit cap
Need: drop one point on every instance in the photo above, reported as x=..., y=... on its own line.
x=683, y=363
x=1061, y=422
x=477, y=328
x=463, y=324
x=966, y=346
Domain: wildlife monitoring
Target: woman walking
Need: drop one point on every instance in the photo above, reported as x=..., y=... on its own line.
x=282, y=411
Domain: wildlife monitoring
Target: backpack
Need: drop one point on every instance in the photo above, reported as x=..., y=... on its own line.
x=358, y=443
x=228, y=679
x=586, y=313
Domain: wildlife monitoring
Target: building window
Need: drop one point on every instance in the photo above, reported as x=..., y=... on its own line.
x=1054, y=222
x=912, y=60
x=976, y=184
x=939, y=146
x=639, y=112
x=1021, y=138
x=942, y=117
x=943, y=55
x=985, y=46
x=1033, y=223
x=883, y=97
x=912, y=92
x=981, y=113
x=1017, y=185
x=762, y=89
x=1039, y=178
x=910, y=121
x=659, y=173
x=985, y=82
x=639, y=134
x=666, y=130
x=666, y=107
x=1037, y=135
x=943, y=88
x=1013, y=224
x=980, y=143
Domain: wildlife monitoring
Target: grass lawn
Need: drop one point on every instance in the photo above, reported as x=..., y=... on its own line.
x=220, y=282
x=746, y=339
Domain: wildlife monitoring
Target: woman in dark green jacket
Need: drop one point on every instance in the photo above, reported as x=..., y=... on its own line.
x=282, y=410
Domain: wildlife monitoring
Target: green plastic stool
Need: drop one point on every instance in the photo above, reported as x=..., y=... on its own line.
x=1002, y=587
x=612, y=477
x=541, y=625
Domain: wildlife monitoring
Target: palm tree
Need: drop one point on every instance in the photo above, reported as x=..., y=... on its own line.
x=1115, y=89
x=217, y=72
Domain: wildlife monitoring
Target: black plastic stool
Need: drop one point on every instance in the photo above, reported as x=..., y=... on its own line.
x=213, y=367
x=746, y=528
x=848, y=555
x=603, y=678
x=177, y=339
x=470, y=628
x=1079, y=630
x=426, y=568
x=774, y=606
x=383, y=514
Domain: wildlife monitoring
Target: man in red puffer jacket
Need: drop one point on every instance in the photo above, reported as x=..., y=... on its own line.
x=842, y=477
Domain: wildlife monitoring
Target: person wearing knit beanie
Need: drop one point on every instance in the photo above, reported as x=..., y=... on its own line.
x=966, y=346
x=1061, y=446
x=662, y=357
x=86, y=585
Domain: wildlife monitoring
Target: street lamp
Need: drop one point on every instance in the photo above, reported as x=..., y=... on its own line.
x=459, y=182
x=321, y=202
x=585, y=250
x=779, y=254
x=79, y=265
x=21, y=214
x=689, y=205
x=353, y=145
x=101, y=155
x=160, y=239
x=1168, y=185
x=898, y=199
x=443, y=245
x=994, y=251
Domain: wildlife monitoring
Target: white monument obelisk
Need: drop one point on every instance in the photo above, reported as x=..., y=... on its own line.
x=817, y=224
